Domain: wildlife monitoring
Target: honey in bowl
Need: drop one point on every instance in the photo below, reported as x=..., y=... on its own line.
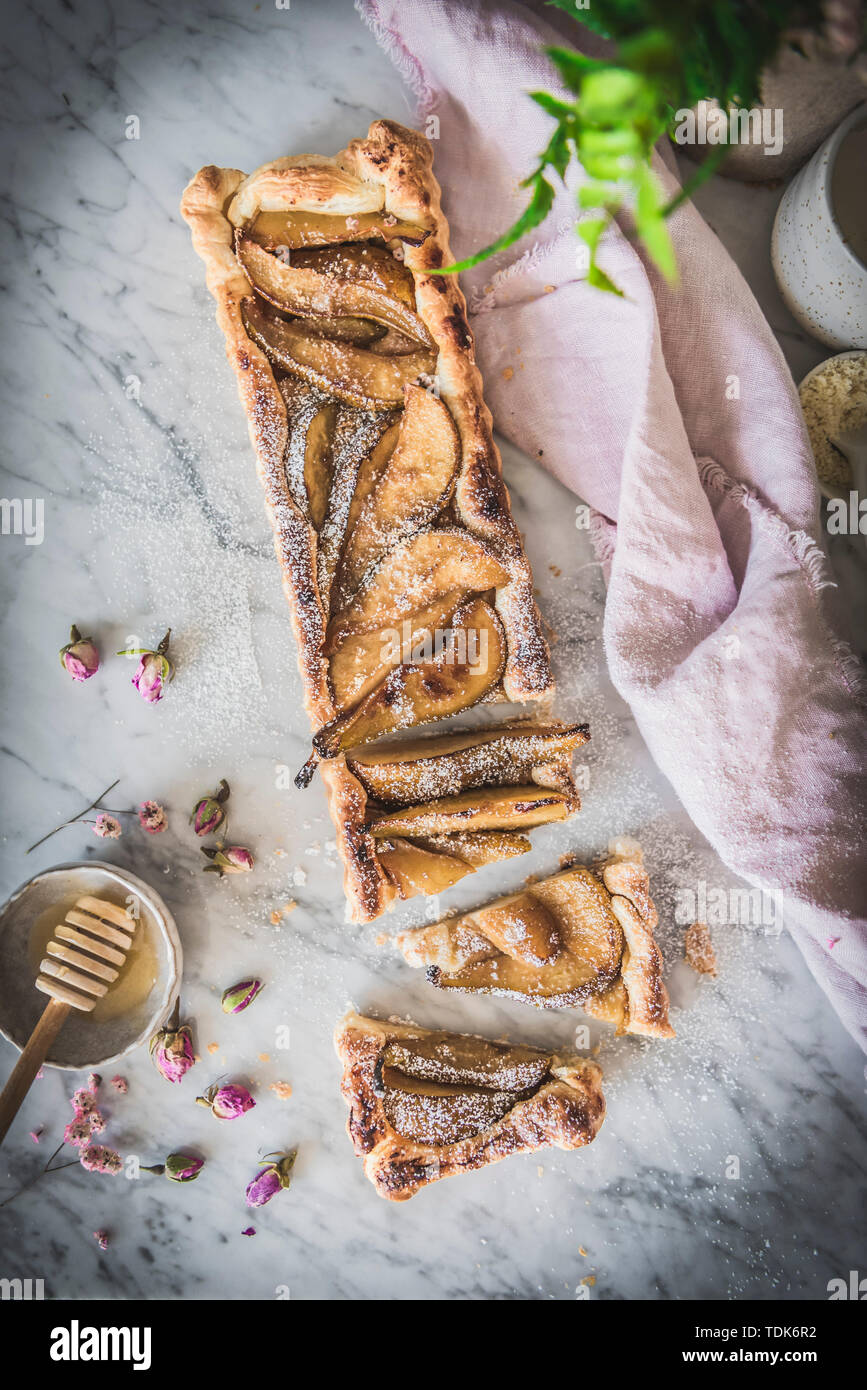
x=137, y=976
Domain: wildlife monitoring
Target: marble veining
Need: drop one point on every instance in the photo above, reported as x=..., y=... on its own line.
x=121, y=416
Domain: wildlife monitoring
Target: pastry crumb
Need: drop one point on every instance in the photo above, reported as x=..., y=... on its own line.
x=555, y=570
x=549, y=289
x=213, y=1047
x=281, y=1089
x=589, y=1280
x=698, y=949
x=508, y=373
x=582, y=1251
x=382, y=939
x=264, y=1057
x=276, y=917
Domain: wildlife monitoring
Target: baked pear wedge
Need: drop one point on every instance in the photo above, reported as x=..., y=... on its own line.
x=465, y=669
x=357, y=375
x=396, y=495
x=296, y=229
x=307, y=293
x=426, y=767
x=415, y=574
x=488, y=808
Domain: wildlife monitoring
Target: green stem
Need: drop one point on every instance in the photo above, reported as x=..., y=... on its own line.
x=706, y=169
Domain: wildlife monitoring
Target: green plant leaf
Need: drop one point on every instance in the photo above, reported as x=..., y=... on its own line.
x=573, y=66
x=535, y=212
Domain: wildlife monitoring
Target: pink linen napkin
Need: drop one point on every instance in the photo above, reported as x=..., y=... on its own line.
x=673, y=414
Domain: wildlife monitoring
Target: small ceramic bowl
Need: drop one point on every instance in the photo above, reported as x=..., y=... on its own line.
x=821, y=279
x=83, y=1043
x=830, y=490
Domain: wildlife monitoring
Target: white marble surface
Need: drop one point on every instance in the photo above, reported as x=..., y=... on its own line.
x=153, y=518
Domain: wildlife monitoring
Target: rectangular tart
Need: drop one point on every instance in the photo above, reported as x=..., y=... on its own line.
x=410, y=594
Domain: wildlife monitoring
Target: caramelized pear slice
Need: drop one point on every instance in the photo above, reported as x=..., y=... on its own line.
x=308, y=293
x=421, y=769
x=364, y=659
x=459, y=676
x=478, y=847
x=587, y=965
x=416, y=870
x=355, y=434
x=364, y=264
x=461, y=1059
x=415, y=574
x=361, y=332
x=488, y=808
x=408, y=490
x=436, y=1113
x=318, y=462
x=296, y=229
x=353, y=374
x=522, y=927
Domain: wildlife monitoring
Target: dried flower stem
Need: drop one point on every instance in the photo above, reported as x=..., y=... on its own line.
x=93, y=805
x=74, y=1163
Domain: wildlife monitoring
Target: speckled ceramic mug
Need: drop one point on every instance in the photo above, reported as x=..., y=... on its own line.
x=821, y=278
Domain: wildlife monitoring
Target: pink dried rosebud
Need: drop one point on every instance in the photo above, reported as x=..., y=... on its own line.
x=209, y=812
x=154, y=670
x=152, y=817
x=234, y=860
x=94, y=1081
x=250, y=1230
x=271, y=1179
x=183, y=1167
x=36, y=1134
x=171, y=1051
x=120, y=1084
x=239, y=997
x=227, y=1102
x=79, y=657
x=178, y=1167
x=107, y=827
x=101, y=1238
x=96, y=1158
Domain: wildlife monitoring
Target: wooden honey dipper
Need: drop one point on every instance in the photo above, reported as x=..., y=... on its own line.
x=83, y=959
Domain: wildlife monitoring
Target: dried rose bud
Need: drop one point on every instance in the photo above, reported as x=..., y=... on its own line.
x=94, y=1081
x=171, y=1051
x=227, y=1102
x=249, y=1231
x=271, y=1179
x=152, y=817
x=120, y=1084
x=239, y=997
x=154, y=670
x=101, y=1238
x=183, y=1167
x=79, y=657
x=234, y=860
x=209, y=811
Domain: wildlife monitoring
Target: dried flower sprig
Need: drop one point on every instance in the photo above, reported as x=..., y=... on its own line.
x=151, y=815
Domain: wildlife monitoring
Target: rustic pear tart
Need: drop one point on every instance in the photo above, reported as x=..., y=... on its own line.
x=425, y=1105
x=581, y=938
x=409, y=590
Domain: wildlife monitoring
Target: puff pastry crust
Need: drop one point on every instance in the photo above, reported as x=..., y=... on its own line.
x=390, y=171
x=579, y=939
x=562, y=1107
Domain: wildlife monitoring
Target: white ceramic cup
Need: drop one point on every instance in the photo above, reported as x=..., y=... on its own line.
x=821, y=278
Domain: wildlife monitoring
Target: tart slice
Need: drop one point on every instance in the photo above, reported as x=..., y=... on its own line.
x=578, y=939
x=410, y=594
x=426, y=1105
x=419, y=814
